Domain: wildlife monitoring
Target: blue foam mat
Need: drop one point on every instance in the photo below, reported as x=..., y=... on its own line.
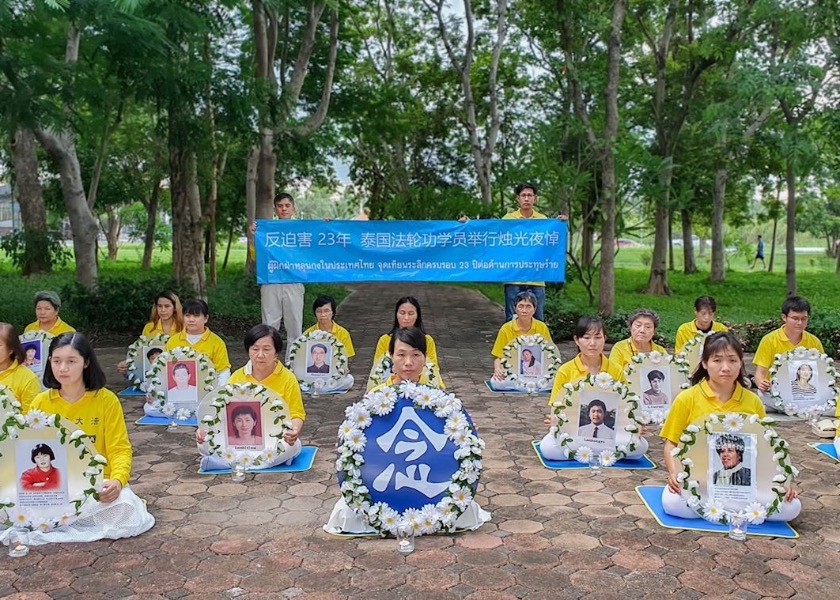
x=131, y=391
x=826, y=448
x=651, y=495
x=147, y=420
x=301, y=462
x=490, y=387
x=625, y=463
x=334, y=393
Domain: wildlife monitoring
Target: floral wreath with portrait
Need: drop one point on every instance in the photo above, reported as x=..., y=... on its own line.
x=463, y=483
x=603, y=381
x=510, y=363
x=157, y=374
x=279, y=424
x=339, y=358
x=94, y=463
x=753, y=512
x=144, y=341
x=657, y=416
x=800, y=353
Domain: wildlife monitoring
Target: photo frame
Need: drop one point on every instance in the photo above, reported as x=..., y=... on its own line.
x=319, y=361
x=656, y=379
x=138, y=360
x=33, y=352
x=161, y=375
x=804, y=383
x=49, y=473
x=181, y=379
x=577, y=419
x=693, y=350
x=217, y=413
x=763, y=452
x=529, y=363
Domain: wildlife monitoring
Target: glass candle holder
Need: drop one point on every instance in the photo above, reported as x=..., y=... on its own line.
x=173, y=424
x=237, y=472
x=18, y=542
x=738, y=528
x=595, y=463
x=405, y=540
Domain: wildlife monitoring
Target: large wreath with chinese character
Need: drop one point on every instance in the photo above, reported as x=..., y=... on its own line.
x=57, y=502
x=803, y=382
x=678, y=378
x=550, y=361
x=338, y=360
x=275, y=421
x=753, y=488
x=567, y=430
x=8, y=402
x=381, y=371
x=156, y=378
x=135, y=370
x=456, y=433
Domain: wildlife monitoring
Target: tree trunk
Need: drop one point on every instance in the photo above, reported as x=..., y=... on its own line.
x=671, y=266
x=606, y=300
x=33, y=212
x=658, y=280
x=61, y=148
x=229, y=244
x=112, y=229
x=251, y=200
x=151, y=224
x=773, y=245
x=187, y=259
x=689, y=264
x=718, y=201
x=790, y=244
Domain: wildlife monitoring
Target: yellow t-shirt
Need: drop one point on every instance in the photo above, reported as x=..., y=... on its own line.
x=776, y=342
x=517, y=214
x=155, y=328
x=385, y=341
x=510, y=331
x=342, y=335
x=281, y=381
x=210, y=345
x=699, y=401
x=622, y=352
x=688, y=331
x=574, y=369
x=392, y=380
x=100, y=415
x=23, y=383
x=58, y=328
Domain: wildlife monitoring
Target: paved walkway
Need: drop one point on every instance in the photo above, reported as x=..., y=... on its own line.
x=553, y=534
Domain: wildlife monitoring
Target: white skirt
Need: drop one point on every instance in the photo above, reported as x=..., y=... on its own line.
x=345, y=520
x=126, y=516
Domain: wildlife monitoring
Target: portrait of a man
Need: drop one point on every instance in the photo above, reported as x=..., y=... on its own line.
x=318, y=359
x=730, y=450
x=181, y=383
x=654, y=395
x=32, y=352
x=597, y=427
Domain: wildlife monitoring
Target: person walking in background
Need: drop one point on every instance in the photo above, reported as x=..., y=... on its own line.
x=759, y=254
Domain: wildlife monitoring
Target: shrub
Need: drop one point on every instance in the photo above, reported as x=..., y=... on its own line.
x=24, y=248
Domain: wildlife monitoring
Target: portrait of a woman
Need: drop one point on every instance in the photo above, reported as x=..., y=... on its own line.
x=43, y=476
x=243, y=427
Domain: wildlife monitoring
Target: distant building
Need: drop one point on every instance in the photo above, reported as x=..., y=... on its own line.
x=9, y=210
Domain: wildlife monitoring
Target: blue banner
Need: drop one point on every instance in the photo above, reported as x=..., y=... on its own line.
x=289, y=251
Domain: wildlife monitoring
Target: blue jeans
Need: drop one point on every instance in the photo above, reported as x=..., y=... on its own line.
x=511, y=289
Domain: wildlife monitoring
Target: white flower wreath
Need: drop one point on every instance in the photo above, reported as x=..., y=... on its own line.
x=144, y=341
x=351, y=443
x=380, y=373
x=510, y=359
x=14, y=424
x=657, y=416
x=606, y=382
x=693, y=345
x=754, y=512
x=157, y=389
x=280, y=422
x=339, y=357
x=810, y=412
x=8, y=402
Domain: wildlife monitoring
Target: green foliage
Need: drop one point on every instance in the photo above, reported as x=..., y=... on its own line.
x=21, y=245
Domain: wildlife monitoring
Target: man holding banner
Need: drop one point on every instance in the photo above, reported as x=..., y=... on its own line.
x=281, y=301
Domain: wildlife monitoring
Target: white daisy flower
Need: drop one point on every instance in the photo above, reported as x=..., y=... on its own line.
x=755, y=513
x=36, y=419
x=462, y=498
x=713, y=511
x=655, y=357
x=608, y=458
x=183, y=414
x=583, y=454
x=733, y=422
x=604, y=380
x=356, y=441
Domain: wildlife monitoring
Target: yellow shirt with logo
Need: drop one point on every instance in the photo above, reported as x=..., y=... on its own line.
x=281, y=381
x=58, y=328
x=622, y=352
x=209, y=344
x=510, y=331
x=776, y=342
x=22, y=382
x=688, y=331
x=574, y=369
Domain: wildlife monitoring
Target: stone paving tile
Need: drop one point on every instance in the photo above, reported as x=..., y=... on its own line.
x=554, y=534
